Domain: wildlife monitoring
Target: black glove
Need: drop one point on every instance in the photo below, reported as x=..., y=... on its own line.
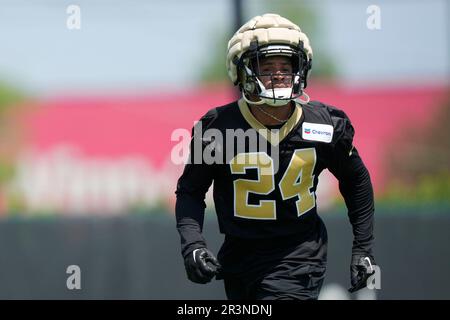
x=361, y=269
x=201, y=265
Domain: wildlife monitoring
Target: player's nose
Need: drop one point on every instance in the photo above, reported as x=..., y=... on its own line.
x=278, y=75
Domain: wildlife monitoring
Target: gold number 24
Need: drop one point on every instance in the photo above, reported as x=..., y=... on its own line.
x=296, y=182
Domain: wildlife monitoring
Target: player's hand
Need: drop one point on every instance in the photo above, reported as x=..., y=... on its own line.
x=201, y=265
x=361, y=269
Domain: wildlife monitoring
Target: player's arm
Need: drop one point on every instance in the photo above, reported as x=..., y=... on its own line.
x=190, y=209
x=356, y=188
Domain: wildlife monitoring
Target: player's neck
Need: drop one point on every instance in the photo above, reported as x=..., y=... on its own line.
x=269, y=116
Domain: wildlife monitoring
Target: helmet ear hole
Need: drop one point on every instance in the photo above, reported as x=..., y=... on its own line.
x=249, y=87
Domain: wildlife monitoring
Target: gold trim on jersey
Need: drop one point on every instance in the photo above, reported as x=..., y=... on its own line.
x=262, y=130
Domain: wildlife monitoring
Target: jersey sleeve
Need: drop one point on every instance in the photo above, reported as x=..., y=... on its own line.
x=354, y=182
x=191, y=189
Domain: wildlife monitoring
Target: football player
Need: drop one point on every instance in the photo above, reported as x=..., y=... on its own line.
x=275, y=244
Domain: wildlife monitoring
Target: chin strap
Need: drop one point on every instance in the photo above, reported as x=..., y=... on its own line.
x=261, y=101
x=301, y=101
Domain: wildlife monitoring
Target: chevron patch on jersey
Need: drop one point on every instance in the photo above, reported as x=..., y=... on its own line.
x=317, y=132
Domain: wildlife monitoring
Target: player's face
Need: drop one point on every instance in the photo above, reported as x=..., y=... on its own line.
x=281, y=70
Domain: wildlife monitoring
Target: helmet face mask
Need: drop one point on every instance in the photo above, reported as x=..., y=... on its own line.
x=273, y=87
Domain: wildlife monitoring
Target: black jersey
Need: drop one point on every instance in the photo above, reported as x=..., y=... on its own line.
x=265, y=183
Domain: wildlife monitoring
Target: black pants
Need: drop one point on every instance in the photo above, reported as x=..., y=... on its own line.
x=301, y=283
x=291, y=267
